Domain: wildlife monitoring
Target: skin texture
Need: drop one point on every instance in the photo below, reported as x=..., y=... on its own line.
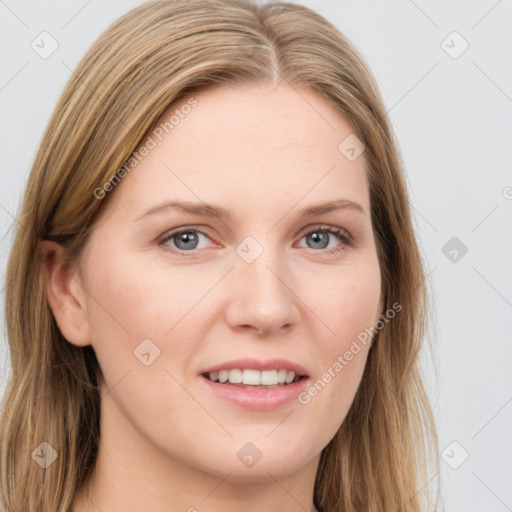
x=167, y=442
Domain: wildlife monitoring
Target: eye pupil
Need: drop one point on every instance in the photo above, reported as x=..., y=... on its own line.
x=319, y=237
x=188, y=238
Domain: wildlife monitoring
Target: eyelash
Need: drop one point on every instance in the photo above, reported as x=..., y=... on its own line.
x=340, y=233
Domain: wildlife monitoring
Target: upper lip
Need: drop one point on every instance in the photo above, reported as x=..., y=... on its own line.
x=257, y=364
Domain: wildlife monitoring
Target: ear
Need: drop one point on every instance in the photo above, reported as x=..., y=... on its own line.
x=65, y=294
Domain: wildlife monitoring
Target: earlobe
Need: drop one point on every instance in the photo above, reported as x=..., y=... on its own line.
x=64, y=293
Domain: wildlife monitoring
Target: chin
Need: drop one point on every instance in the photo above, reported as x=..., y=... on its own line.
x=263, y=461
x=261, y=472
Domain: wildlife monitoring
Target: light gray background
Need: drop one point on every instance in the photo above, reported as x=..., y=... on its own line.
x=453, y=120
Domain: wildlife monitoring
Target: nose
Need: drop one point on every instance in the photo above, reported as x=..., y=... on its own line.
x=261, y=296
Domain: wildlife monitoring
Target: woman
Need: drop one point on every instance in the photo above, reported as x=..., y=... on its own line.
x=215, y=299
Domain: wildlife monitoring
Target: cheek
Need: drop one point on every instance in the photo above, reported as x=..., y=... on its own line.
x=136, y=309
x=131, y=297
x=349, y=307
x=348, y=303
x=140, y=334
x=124, y=308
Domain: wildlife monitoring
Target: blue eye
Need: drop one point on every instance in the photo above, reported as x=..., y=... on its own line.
x=185, y=242
x=184, y=239
x=321, y=236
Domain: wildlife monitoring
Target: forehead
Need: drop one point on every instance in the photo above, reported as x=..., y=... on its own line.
x=261, y=118
x=247, y=145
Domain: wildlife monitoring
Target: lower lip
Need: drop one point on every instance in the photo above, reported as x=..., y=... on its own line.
x=258, y=399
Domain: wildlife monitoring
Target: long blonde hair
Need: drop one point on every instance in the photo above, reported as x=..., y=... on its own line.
x=386, y=449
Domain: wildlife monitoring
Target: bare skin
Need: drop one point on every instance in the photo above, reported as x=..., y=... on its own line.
x=167, y=441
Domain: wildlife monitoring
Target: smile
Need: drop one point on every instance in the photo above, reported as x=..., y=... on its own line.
x=254, y=378
x=255, y=384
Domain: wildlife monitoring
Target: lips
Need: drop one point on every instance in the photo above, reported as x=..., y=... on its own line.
x=256, y=384
x=254, y=372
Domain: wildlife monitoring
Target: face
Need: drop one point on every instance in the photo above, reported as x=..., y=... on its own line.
x=256, y=287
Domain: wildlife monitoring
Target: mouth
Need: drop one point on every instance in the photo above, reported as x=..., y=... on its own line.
x=254, y=384
x=254, y=379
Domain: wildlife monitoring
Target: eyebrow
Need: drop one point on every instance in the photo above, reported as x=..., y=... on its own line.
x=219, y=212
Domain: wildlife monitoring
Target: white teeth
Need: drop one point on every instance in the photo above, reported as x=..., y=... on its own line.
x=251, y=377
x=269, y=377
x=235, y=376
